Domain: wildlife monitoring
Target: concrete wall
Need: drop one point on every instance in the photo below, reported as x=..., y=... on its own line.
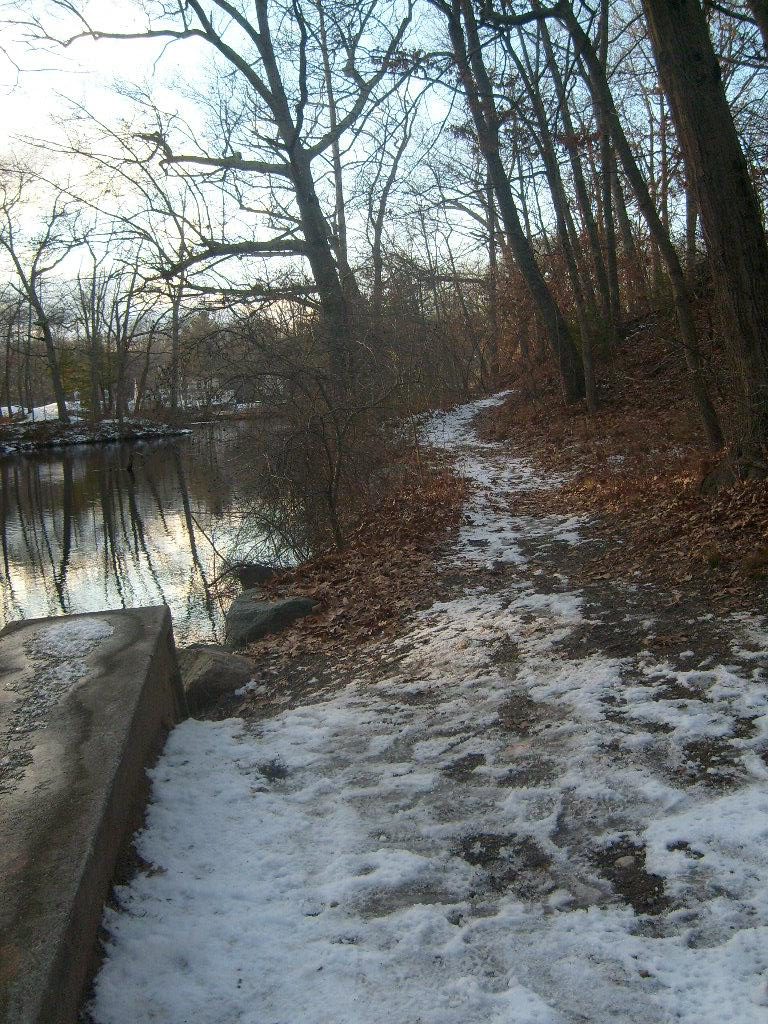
x=85, y=704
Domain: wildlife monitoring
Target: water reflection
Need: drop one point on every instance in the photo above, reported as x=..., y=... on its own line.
x=85, y=529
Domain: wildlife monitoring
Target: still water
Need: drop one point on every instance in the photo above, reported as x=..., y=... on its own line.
x=116, y=526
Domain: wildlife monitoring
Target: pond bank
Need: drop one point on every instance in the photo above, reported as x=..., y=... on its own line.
x=89, y=527
x=30, y=437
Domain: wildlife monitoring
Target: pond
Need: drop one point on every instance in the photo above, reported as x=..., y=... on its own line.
x=88, y=528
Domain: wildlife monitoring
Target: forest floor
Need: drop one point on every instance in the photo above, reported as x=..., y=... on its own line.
x=640, y=468
x=527, y=788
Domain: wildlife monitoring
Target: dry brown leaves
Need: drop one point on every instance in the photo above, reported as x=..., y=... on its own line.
x=638, y=468
x=384, y=572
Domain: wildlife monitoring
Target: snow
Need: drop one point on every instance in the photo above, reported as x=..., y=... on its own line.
x=51, y=412
x=17, y=437
x=423, y=846
x=57, y=653
x=70, y=638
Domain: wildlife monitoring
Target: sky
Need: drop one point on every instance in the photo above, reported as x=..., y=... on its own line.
x=37, y=85
x=36, y=92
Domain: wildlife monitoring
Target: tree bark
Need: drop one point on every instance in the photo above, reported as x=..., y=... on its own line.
x=681, y=297
x=607, y=161
x=729, y=209
x=176, y=298
x=759, y=9
x=581, y=286
x=636, y=278
x=348, y=280
x=691, y=220
x=579, y=181
x=31, y=289
x=479, y=93
x=493, y=280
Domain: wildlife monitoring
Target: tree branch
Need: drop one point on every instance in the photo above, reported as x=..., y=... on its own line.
x=216, y=250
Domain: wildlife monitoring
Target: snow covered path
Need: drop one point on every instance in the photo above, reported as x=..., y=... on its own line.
x=524, y=819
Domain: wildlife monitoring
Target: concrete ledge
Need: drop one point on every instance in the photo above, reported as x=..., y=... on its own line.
x=85, y=704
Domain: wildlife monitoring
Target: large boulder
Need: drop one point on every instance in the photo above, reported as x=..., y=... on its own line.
x=250, y=617
x=209, y=672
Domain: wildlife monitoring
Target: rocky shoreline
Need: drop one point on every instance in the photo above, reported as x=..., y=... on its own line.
x=212, y=671
x=29, y=437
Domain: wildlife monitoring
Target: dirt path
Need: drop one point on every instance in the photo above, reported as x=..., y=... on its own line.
x=543, y=803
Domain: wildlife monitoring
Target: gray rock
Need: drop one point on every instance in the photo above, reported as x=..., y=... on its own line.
x=625, y=862
x=250, y=617
x=722, y=477
x=209, y=672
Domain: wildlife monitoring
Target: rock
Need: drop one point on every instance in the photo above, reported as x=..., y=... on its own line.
x=745, y=463
x=756, y=563
x=209, y=672
x=250, y=617
x=624, y=863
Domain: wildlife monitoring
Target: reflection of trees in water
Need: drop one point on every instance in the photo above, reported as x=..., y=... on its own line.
x=272, y=532
x=86, y=530
x=139, y=537
x=66, y=542
x=9, y=594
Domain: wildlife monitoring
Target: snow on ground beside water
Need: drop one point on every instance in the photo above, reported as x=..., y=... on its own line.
x=420, y=848
x=50, y=412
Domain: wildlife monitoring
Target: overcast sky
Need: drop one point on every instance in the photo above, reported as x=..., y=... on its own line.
x=36, y=94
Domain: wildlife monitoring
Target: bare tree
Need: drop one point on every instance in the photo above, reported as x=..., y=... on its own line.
x=279, y=57
x=611, y=125
x=12, y=308
x=730, y=212
x=37, y=231
x=476, y=82
x=389, y=142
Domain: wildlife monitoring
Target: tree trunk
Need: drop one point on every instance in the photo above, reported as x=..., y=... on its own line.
x=50, y=351
x=337, y=320
x=579, y=181
x=493, y=281
x=348, y=281
x=479, y=93
x=175, y=347
x=94, y=359
x=681, y=297
x=729, y=209
x=636, y=276
x=607, y=161
x=581, y=287
x=759, y=9
x=36, y=307
x=581, y=284
x=53, y=364
x=691, y=220
x=141, y=387
x=8, y=350
x=336, y=298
